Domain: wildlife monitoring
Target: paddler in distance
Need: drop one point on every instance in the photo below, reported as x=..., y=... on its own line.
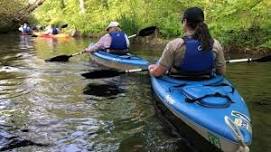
x=115, y=41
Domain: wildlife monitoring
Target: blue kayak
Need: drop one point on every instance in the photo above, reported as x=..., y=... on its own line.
x=119, y=62
x=211, y=107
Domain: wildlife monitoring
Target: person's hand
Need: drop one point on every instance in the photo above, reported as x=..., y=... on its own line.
x=86, y=50
x=152, y=67
x=157, y=70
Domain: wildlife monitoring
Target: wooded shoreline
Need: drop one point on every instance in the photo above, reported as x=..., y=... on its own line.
x=243, y=25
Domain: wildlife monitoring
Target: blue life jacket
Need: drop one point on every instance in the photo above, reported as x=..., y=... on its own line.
x=54, y=31
x=196, y=61
x=27, y=30
x=118, y=41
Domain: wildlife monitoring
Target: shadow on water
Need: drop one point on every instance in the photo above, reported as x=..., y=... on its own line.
x=103, y=90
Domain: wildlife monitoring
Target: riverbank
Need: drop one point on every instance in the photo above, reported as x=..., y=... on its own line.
x=158, y=43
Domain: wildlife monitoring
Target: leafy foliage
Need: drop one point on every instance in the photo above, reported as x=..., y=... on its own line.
x=238, y=22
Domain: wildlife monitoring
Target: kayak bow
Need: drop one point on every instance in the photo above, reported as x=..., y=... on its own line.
x=207, y=106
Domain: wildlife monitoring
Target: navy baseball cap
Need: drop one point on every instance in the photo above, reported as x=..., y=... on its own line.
x=193, y=14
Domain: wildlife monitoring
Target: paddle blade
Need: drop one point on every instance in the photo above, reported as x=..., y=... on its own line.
x=64, y=26
x=98, y=74
x=264, y=59
x=147, y=31
x=60, y=58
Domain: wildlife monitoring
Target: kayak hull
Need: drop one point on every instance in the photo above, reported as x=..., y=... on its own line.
x=50, y=36
x=119, y=62
x=208, y=122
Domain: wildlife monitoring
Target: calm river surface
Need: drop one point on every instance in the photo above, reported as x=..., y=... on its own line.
x=51, y=107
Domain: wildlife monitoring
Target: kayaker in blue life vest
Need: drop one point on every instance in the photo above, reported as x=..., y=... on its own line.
x=196, y=53
x=115, y=41
x=25, y=29
x=52, y=29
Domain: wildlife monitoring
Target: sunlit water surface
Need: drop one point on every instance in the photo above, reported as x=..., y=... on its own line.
x=48, y=106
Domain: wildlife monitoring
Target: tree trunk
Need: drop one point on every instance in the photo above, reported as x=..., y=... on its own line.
x=28, y=9
x=82, y=6
x=62, y=4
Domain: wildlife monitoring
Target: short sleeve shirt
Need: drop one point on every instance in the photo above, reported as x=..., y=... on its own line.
x=105, y=43
x=174, y=51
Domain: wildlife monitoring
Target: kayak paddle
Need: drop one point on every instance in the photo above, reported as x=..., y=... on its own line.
x=145, y=32
x=262, y=59
x=64, y=26
x=98, y=74
x=64, y=58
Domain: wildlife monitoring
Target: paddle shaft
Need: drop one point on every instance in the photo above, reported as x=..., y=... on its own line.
x=134, y=70
x=134, y=35
x=240, y=60
x=78, y=53
x=266, y=58
x=109, y=73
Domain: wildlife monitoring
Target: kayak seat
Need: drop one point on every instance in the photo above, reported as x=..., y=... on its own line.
x=114, y=52
x=118, y=52
x=182, y=76
x=129, y=56
x=209, y=96
x=122, y=55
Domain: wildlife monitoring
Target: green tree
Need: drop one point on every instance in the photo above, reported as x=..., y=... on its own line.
x=238, y=22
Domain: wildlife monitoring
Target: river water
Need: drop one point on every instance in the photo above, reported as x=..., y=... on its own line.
x=51, y=107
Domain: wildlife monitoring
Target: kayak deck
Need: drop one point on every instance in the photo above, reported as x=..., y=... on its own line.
x=209, y=122
x=119, y=62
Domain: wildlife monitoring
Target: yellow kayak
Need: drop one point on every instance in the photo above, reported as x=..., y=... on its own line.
x=45, y=35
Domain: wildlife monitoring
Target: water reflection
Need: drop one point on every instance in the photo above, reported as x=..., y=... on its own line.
x=25, y=42
x=10, y=141
x=52, y=104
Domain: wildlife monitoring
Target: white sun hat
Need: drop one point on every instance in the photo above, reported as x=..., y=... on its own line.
x=112, y=24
